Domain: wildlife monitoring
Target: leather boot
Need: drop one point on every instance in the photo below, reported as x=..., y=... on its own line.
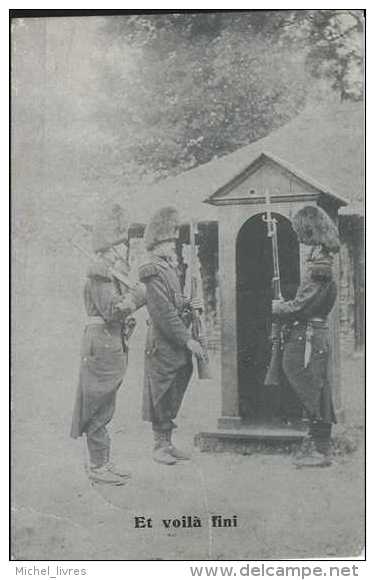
x=177, y=453
x=305, y=449
x=161, y=452
x=103, y=474
x=319, y=454
x=322, y=437
x=119, y=470
x=313, y=459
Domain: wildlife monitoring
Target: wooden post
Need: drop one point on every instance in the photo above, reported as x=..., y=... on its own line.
x=334, y=366
x=229, y=371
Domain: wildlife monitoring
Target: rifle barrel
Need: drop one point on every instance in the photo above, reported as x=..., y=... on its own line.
x=276, y=267
x=272, y=233
x=274, y=369
x=198, y=330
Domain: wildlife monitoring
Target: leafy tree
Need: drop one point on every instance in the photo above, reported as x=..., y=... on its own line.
x=100, y=106
x=333, y=39
x=202, y=85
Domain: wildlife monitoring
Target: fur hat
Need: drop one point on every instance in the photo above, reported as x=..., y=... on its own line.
x=111, y=229
x=163, y=226
x=314, y=227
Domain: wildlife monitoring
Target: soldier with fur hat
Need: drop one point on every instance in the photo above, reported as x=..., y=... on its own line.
x=169, y=346
x=104, y=351
x=306, y=335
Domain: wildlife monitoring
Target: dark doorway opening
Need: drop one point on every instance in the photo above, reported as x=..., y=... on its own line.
x=254, y=296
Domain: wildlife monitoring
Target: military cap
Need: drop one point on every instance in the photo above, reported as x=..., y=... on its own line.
x=314, y=227
x=162, y=227
x=111, y=228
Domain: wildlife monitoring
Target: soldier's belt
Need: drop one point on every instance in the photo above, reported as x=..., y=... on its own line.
x=318, y=322
x=94, y=320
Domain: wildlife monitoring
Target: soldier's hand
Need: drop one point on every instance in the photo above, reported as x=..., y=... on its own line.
x=126, y=306
x=276, y=306
x=195, y=347
x=196, y=304
x=121, y=267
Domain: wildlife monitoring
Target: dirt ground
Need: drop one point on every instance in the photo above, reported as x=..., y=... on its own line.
x=282, y=512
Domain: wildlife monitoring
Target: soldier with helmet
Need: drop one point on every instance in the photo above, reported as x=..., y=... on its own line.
x=104, y=351
x=169, y=346
x=306, y=334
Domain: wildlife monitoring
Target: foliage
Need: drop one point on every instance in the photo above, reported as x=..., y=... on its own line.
x=101, y=106
x=334, y=39
x=202, y=85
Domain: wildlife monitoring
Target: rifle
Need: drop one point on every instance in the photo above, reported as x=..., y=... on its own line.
x=272, y=378
x=198, y=327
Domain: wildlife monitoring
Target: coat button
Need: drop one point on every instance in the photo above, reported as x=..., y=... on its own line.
x=300, y=338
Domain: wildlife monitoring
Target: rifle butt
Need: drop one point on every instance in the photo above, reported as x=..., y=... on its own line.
x=272, y=378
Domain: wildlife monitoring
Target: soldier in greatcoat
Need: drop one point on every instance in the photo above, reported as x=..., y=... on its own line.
x=104, y=350
x=306, y=335
x=169, y=346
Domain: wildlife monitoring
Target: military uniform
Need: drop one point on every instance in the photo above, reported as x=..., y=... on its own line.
x=306, y=344
x=104, y=359
x=168, y=362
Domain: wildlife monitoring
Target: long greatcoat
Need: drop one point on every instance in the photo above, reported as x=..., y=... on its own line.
x=168, y=362
x=308, y=374
x=103, y=360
